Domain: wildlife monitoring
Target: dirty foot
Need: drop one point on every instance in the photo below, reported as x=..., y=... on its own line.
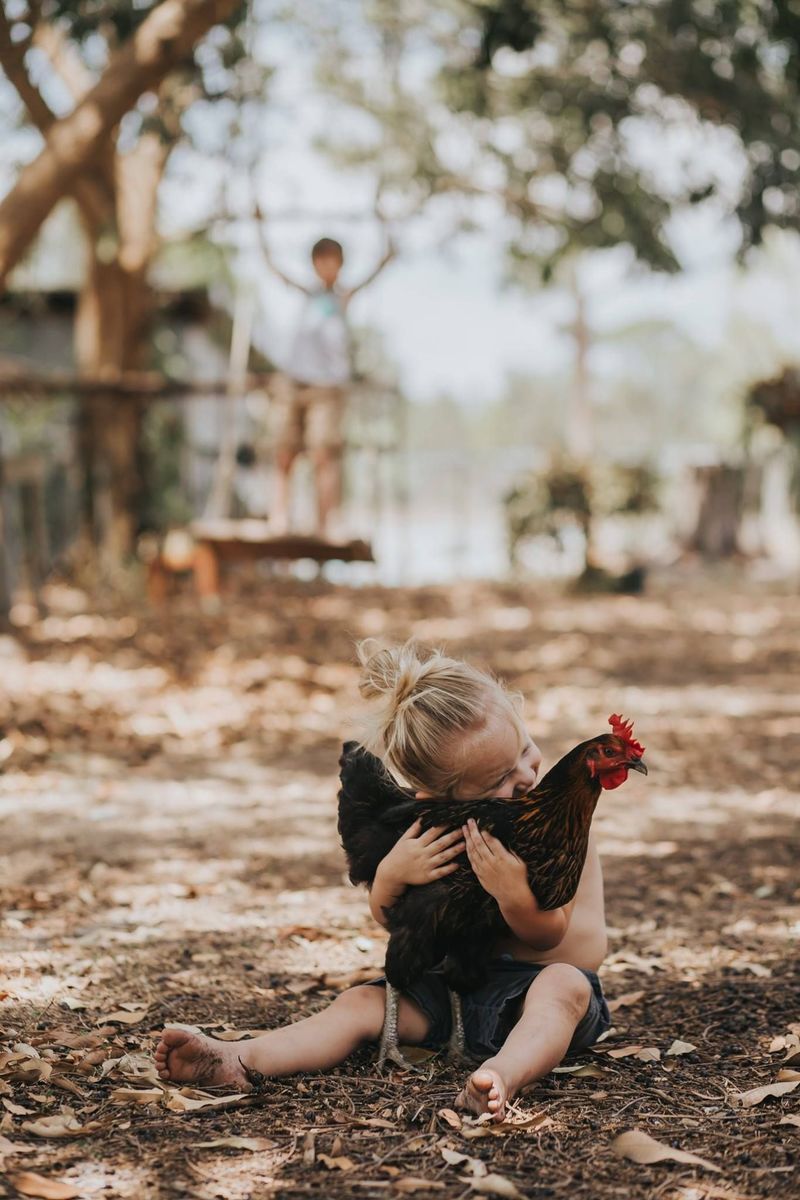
x=185, y=1057
x=485, y=1091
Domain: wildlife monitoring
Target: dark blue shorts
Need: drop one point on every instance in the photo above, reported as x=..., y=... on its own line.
x=492, y=1010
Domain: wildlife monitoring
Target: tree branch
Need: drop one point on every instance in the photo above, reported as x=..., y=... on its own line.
x=68, y=65
x=164, y=39
x=95, y=201
x=12, y=58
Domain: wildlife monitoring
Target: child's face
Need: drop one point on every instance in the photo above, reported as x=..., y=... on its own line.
x=500, y=759
x=327, y=267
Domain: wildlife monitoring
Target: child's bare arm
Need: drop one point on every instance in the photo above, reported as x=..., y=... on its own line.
x=270, y=261
x=504, y=875
x=391, y=253
x=415, y=858
x=538, y=929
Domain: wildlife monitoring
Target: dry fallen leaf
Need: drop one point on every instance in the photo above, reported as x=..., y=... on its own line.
x=237, y=1143
x=300, y=987
x=310, y=933
x=649, y=1054
x=341, y=982
x=645, y=1053
x=191, y=1100
x=26, y=1050
x=756, y=1095
x=755, y=968
x=137, y=1066
x=586, y=1071
x=787, y=1075
x=7, y=1147
x=455, y=1158
x=411, y=1184
x=624, y=1001
x=136, y=1095
x=791, y=1119
x=450, y=1117
x=236, y=1035
x=488, y=1127
x=28, y=1183
x=493, y=1185
x=17, y=1109
x=418, y=1054
x=31, y=1070
x=338, y=1162
x=61, y=1125
x=639, y=1147
x=679, y=1047
x=123, y=1017
x=707, y=1191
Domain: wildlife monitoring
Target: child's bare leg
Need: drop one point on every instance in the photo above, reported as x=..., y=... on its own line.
x=281, y=500
x=328, y=479
x=313, y=1044
x=554, y=1005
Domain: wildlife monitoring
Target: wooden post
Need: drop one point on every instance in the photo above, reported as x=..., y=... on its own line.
x=219, y=501
x=206, y=572
x=5, y=588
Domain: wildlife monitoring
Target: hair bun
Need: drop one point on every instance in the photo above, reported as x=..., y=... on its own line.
x=392, y=673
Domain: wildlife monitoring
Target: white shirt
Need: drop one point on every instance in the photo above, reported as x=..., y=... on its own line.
x=320, y=351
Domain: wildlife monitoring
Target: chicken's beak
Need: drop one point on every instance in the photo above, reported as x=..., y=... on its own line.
x=637, y=764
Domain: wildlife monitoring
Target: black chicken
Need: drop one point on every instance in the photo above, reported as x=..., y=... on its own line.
x=453, y=923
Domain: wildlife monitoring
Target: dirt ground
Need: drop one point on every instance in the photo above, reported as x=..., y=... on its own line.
x=169, y=853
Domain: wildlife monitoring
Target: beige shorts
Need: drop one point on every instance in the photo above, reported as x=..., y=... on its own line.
x=306, y=416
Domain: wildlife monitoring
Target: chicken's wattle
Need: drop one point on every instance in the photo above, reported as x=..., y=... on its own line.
x=613, y=778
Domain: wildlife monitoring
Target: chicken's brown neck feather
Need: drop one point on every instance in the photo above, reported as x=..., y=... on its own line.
x=567, y=790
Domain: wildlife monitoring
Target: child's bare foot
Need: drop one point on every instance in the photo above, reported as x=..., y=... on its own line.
x=185, y=1057
x=485, y=1091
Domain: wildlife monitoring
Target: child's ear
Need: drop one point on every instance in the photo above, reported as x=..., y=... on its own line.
x=423, y=796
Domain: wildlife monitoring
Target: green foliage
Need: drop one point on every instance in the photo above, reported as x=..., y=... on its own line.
x=572, y=494
x=535, y=103
x=86, y=18
x=164, y=501
x=777, y=402
x=734, y=64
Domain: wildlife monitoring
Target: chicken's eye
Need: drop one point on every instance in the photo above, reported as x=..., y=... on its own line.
x=609, y=753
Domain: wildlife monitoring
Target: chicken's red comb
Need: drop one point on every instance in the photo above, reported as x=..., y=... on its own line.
x=624, y=730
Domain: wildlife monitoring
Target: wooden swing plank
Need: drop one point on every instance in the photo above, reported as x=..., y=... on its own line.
x=222, y=541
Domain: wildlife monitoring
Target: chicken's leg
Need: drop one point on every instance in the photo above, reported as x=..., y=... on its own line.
x=388, y=1044
x=455, y=1046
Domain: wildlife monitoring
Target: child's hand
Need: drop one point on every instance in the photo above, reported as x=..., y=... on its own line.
x=500, y=872
x=422, y=857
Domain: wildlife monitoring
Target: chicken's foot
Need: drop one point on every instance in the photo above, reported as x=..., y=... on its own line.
x=455, y=1046
x=388, y=1045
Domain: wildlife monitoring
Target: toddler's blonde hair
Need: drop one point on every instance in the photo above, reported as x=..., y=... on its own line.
x=422, y=700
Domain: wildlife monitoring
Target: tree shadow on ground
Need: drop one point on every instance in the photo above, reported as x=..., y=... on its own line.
x=169, y=843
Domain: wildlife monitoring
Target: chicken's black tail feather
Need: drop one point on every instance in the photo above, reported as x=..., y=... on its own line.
x=372, y=811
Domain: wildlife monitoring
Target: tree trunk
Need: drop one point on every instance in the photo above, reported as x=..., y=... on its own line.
x=111, y=336
x=579, y=434
x=5, y=587
x=163, y=40
x=716, y=532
